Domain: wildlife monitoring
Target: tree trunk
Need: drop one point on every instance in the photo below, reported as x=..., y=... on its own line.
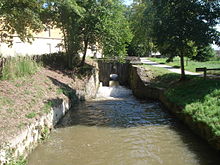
x=183, y=76
x=84, y=52
x=67, y=64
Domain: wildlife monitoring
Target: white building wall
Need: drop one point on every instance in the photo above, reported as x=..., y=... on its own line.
x=40, y=45
x=91, y=53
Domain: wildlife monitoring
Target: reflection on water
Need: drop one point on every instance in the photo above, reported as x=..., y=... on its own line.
x=121, y=131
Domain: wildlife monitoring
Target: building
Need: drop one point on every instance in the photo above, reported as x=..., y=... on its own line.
x=48, y=41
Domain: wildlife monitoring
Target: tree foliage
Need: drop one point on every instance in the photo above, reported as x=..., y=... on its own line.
x=204, y=53
x=183, y=25
x=86, y=23
x=21, y=17
x=83, y=22
x=141, y=19
x=115, y=31
x=65, y=14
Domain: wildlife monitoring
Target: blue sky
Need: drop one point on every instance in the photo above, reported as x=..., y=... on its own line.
x=128, y=2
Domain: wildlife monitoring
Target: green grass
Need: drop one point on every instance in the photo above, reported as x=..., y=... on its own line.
x=200, y=99
x=59, y=91
x=5, y=101
x=19, y=67
x=190, y=65
x=20, y=161
x=47, y=106
x=45, y=134
x=31, y=115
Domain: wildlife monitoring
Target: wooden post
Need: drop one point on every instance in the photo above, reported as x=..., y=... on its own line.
x=205, y=72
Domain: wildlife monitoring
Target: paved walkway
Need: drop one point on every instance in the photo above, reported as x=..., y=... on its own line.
x=170, y=68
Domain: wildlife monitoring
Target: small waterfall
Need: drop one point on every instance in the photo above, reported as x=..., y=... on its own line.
x=114, y=91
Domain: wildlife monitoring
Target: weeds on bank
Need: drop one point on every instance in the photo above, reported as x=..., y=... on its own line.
x=45, y=134
x=5, y=100
x=20, y=161
x=47, y=107
x=19, y=67
x=67, y=92
x=31, y=115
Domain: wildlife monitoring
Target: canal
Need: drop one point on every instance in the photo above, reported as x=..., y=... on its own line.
x=118, y=129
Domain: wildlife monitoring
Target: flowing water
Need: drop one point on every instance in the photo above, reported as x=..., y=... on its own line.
x=117, y=129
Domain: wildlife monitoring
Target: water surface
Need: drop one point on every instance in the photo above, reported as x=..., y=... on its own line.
x=122, y=130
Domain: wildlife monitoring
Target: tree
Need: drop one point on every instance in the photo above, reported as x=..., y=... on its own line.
x=115, y=31
x=204, y=53
x=66, y=15
x=21, y=17
x=182, y=25
x=141, y=19
x=83, y=22
x=89, y=22
x=90, y=32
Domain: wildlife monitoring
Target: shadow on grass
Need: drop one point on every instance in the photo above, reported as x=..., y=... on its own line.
x=176, y=66
x=193, y=89
x=165, y=80
x=67, y=90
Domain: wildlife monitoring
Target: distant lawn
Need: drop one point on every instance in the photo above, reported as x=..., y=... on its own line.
x=189, y=64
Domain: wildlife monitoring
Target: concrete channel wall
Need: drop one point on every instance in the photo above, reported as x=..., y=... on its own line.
x=31, y=135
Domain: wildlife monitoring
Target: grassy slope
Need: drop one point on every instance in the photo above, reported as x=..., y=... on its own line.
x=28, y=91
x=200, y=98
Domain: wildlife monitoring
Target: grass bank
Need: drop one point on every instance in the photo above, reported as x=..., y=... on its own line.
x=29, y=91
x=199, y=98
x=190, y=65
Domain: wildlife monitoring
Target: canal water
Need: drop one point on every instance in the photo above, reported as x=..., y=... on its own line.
x=117, y=129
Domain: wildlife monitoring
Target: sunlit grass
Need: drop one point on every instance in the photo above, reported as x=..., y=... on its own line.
x=189, y=64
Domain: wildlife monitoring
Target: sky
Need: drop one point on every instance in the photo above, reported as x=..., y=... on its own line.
x=128, y=2
x=215, y=46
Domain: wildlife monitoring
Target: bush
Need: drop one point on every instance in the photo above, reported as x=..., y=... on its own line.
x=204, y=54
x=19, y=67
